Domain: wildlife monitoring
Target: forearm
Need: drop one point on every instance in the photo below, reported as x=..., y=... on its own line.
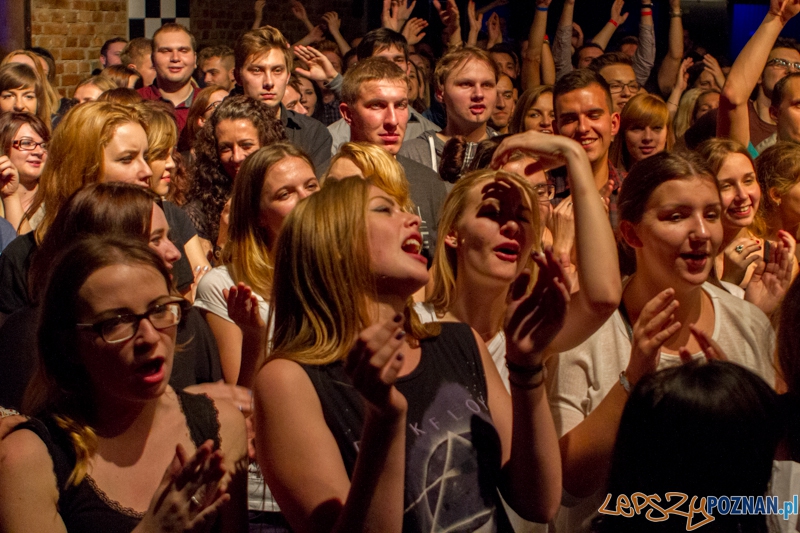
x=674, y=101
x=562, y=57
x=256, y=23
x=747, y=68
x=671, y=64
x=645, y=56
x=587, y=448
x=535, y=44
x=375, y=500
x=531, y=481
x=605, y=34
x=12, y=210
x=548, y=66
x=252, y=350
x=343, y=45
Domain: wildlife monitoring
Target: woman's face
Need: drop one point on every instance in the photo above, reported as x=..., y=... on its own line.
x=706, y=81
x=214, y=101
x=540, y=116
x=530, y=169
x=124, y=157
x=644, y=141
x=707, y=102
x=789, y=208
x=159, y=238
x=413, y=84
x=22, y=100
x=236, y=139
x=162, y=174
x=87, y=93
x=395, y=246
x=287, y=182
x=29, y=163
x=307, y=95
x=137, y=369
x=739, y=191
x=680, y=233
x=494, y=235
x=344, y=167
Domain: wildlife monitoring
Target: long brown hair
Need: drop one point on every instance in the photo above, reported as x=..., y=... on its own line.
x=21, y=76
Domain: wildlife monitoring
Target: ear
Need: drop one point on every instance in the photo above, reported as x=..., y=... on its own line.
x=236, y=76
x=346, y=114
x=774, y=195
x=628, y=232
x=615, y=120
x=451, y=239
x=439, y=96
x=773, y=113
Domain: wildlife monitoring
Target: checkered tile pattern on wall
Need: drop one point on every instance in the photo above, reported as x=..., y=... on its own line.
x=146, y=16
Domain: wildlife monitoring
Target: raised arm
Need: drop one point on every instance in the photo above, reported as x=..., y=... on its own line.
x=671, y=63
x=302, y=463
x=617, y=18
x=645, y=56
x=451, y=21
x=259, y=12
x=532, y=59
x=333, y=23
x=562, y=41
x=475, y=20
x=598, y=268
x=733, y=120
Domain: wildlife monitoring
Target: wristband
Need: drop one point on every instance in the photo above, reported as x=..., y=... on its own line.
x=647, y=6
x=623, y=380
x=647, y=12
x=614, y=22
x=678, y=13
x=541, y=8
x=520, y=369
x=546, y=39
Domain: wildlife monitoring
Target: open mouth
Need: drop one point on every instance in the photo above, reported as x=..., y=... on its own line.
x=412, y=245
x=741, y=211
x=152, y=371
x=477, y=109
x=695, y=260
x=507, y=252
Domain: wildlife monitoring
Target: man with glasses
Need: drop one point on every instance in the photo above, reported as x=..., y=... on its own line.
x=617, y=69
x=762, y=63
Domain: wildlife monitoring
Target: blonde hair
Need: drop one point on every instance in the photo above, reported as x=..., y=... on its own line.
x=51, y=100
x=378, y=165
x=75, y=155
x=685, y=113
x=103, y=83
x=376, y=68
x=323, y=280
x=456, y=59
x=445, y=260
x=778, y=168
x=642, y=110
x=162, y=131
x=247, y=254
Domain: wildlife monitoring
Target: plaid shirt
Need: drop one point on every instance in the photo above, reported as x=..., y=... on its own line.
x=559, y=179
x=330, y=112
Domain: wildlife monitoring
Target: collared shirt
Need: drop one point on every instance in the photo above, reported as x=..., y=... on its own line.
x=310, y=135
x=330, y=111
x=153, y=93
x=559, y=177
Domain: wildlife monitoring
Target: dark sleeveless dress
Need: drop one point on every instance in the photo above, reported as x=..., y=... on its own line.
x=85, y=508
x=453, y=452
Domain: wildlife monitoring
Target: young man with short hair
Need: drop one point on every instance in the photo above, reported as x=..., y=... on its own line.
x=393, y=46
x=138, y=55
x=217, y=64
x=174, y=59
x=466, y=85
x=375, y=106
x=264, y=63
x=504, y=107
x=617, y=69
x=111, y=50
x=585, y=113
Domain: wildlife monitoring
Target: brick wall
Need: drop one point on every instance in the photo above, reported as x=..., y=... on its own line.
x=74, y=31
x=215, y=23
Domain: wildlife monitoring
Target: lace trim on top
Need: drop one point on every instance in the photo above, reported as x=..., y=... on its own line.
x=113, y=504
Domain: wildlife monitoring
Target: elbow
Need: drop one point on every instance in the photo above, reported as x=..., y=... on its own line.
x=731, y=96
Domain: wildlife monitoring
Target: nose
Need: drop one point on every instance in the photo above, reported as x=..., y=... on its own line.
x=300, y=108
x=647, y=135
x=239, y=154
x=510, y=228
x=626, y=90
x=412, y=220
x=146, y=334
x=391, y=117
x=500, y=103
x=170, y=163
x=172, y=253
x=18, y=105
x=144, y=170
x=477, y=93
x=268, y=82
x=207, y=79
x=701, y=230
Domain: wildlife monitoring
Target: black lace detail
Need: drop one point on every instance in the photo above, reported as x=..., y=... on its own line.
x=113, y=504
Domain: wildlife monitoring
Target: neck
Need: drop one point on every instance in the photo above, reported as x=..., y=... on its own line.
x=27, y=191
x=115, y=417
x=487, y=316
x=471, y=132
x=174, y=92
x=600, y=171
x=386, y=306
x=762, y=104
x=731, y=233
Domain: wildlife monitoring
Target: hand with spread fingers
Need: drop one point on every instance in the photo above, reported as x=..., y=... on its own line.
x=9, y=177
x=191, y=493
x=616, y=12
x=711, y=349
x=737, y=258
x=320, y=67
x=532, y=321
x=414, y=30
x=475, y=22
x=656, y=324
x=771, y=279
x=243, y=307
x=374, y=363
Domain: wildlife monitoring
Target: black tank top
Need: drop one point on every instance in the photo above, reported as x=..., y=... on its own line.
x=453, y=452
x=85, y=507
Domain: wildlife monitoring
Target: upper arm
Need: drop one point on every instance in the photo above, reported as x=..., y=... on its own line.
x=499, y=398
x=580, y=323
x=195, y=254
x=301, y=462
x=229, y=341
x=28, y=486
x=233, y=441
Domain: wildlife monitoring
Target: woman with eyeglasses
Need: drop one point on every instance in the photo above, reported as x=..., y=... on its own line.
x=113, y=447
x=203, y=106
x=23, y=145
x=488, y=228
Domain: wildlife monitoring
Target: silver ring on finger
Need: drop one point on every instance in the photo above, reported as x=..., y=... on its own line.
x=739, y=249
x=194, y=502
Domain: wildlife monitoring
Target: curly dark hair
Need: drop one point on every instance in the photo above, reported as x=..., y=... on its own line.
x=211, y=185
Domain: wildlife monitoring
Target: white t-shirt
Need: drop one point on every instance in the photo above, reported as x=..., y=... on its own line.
x=209, y=294
x=579, y=379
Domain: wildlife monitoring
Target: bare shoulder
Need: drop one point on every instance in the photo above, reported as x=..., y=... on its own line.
x=24, y=450
x=282, y=378
x=232, y=427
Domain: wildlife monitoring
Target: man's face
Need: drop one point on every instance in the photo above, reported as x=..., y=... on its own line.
x=112, y=54
x=264, y=77
x=504, y=107
x=470, y=94
x=215, y=72
x=622, y=81
x=395, y=55
x=380, y=114
x=788, y=114
x=146, y=69
x=583, y=116
x=174, y=58
x=773, y=73
x=505, y=64
x=587, y=55
x=629, y=49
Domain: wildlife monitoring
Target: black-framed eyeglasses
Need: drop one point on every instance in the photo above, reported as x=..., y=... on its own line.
x=213, y=105
x=26, y=144
x=544, y=192
x=123, y=327
x=782, y=63
x=617, y=87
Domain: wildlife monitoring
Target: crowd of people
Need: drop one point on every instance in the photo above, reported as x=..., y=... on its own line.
x=405, y=282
